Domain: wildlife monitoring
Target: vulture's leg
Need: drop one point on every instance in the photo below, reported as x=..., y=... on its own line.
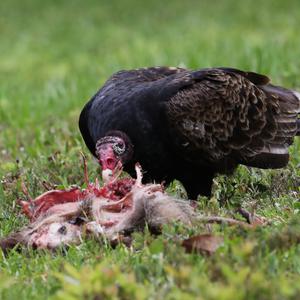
x=197, y=183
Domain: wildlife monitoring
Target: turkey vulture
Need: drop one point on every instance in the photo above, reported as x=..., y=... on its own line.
x=189, y=125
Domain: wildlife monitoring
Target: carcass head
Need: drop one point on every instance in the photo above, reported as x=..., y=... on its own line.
x=53, y=235
x=113, y=151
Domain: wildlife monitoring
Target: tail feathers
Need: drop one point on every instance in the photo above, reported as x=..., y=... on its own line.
x=297, y=94
x=269, y=160
x=282, y=126
x=289, y=109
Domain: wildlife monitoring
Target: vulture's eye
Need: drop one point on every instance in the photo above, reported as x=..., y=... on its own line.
x=119, y=148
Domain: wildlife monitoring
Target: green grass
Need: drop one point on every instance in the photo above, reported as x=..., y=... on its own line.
x=54, y=55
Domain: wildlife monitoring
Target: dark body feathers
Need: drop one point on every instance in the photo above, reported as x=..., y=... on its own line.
x=190, y=125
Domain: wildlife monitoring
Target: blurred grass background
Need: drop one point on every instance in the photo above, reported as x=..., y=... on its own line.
x=54, y=55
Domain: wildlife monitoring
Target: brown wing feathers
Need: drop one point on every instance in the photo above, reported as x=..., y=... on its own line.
x=236, y=114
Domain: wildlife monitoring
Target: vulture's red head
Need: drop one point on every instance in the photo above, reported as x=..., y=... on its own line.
x=113, y=151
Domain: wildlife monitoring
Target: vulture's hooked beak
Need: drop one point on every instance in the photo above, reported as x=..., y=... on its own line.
x=107, y=175
x=110, y=163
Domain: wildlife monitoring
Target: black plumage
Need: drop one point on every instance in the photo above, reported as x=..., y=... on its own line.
x=190, y=125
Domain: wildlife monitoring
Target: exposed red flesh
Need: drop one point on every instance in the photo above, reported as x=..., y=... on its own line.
x=113, y=191
x=116, y=190
x=34, y=208
x=108, y=223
